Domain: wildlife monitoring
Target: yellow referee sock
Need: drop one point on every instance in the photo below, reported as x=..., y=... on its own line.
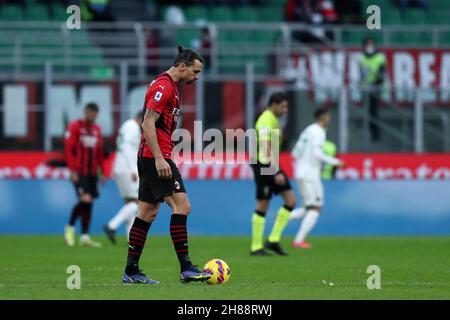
x=258, y=223
x=280, y=223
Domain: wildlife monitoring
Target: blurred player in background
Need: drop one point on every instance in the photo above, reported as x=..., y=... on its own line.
x=126, y=175
x=266, y=185
x=83, y=146
x=309, y=156
x=159, y=178
x=329, y=170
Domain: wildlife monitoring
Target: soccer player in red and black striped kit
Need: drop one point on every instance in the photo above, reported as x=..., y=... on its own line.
x=159, y=178
x=83, y=146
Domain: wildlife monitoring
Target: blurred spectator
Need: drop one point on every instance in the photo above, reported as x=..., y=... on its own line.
x=203, y=46
x=349, y=11
x=373, y=74
x=404, y=4
x=152, y=44
x=313, y=12
x=96, y=10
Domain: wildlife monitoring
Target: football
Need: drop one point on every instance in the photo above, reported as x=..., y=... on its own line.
x=220, y=270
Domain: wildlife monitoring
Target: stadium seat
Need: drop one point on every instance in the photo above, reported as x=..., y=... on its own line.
x=444, y=38
x=271, y=14
x=438, y=4
x=187, y=37
x=220, y=14
x=195, y=13
x=438, y=17
x=265, y=37
x=36, y=12
x=356, y=38
x=58, y=12
x=391, y=17
x=414, y=17
x=245, y=14
x=11, y=13
x=277, y=2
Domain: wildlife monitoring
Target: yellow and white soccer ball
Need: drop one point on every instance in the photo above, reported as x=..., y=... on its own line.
x=220, y=270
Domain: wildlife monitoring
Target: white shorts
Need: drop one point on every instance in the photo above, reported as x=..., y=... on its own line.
x=311, y=191
x=128, y=188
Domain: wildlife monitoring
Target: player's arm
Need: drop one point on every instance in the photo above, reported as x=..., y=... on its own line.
x=149, y=128
x=297, y=150
x=128, y=148
x=266, y=156
x=71, y=137
x=319, y=154
x=101, y=158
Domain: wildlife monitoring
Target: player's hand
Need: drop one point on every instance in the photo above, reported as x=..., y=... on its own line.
x=74, y=176
x=340, y=164
x=280, y=179
x=134, y=177
x=163, y=169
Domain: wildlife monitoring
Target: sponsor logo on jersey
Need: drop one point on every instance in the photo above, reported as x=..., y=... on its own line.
x=88, y=141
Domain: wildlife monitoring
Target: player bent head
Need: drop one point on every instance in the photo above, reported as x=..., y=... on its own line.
x=187, y=65
x=91, y=112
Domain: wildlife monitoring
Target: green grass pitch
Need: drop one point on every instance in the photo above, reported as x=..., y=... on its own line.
x=34, y=267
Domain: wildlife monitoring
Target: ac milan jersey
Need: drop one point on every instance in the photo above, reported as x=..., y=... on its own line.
x=83, y=147
x=163, y=97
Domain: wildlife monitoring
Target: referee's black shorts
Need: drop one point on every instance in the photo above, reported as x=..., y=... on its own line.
x=87, y=185
x=265, y=184
x=152, y=188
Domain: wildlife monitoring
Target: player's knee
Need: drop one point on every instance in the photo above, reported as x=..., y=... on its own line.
x=316, y=208
x=290, y=203
x=262, y=206
x=185, y=208
x=148, y=215
x=87, y=198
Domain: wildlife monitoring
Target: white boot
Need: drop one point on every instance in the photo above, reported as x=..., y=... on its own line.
x=86, y=241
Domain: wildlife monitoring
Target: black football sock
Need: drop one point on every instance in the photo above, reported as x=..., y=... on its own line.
x=86, y=217
x=76, y=212
x=136, y=243
x=178, y=233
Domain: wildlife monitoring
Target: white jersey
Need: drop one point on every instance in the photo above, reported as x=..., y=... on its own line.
x=127, y=142
x=308, y=153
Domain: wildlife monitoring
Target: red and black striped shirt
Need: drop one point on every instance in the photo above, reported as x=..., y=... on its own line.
x=83, y=147
x=163, y=97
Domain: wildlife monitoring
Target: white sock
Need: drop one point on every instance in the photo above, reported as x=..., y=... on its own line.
x=127, y=212
x=297, y=213
x=307, y=225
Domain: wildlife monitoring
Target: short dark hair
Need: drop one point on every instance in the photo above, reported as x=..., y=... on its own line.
x=277, y=97
x=92, y=106
x=320, y=112
x=367, y=40
x=187, y=56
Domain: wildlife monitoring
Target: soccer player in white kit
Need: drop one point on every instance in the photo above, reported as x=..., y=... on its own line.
x=309, y=156
x=126, y=175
